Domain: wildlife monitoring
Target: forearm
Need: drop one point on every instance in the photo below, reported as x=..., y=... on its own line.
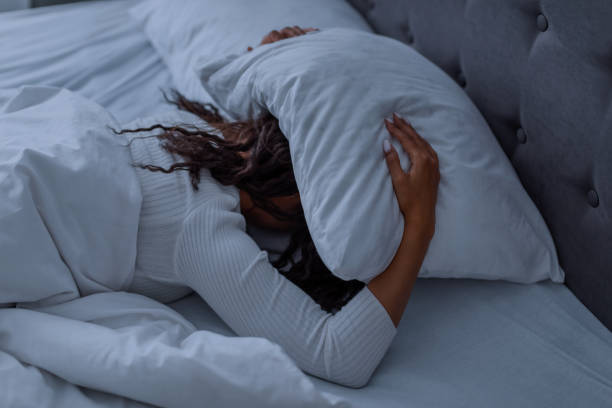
x=393, y=286
x=227, y=268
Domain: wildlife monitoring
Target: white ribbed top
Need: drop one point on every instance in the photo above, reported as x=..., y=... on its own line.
x=198, y=240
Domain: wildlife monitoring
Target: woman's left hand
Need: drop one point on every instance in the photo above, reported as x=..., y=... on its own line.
x=284, y=33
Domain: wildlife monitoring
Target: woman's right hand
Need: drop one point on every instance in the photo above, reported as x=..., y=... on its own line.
x=417, y=189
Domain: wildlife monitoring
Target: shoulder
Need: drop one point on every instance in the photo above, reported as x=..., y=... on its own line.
x=211, y=194
x=170, y=117
x=212, y=231
x=214, y=205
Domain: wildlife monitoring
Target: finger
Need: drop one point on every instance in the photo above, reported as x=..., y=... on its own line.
x=428, y=147
x=417, y=150
x=293, y=31
x=284, y=33
x=299, y=30
x=309, y=29
x=275, y=36
x=433, y=153
x=421, y=141
x=267, y=39
x=393, y=163
x=290, y=32
x=407, y=143
x=417, y=135
x=402, y=125
x=407, y=129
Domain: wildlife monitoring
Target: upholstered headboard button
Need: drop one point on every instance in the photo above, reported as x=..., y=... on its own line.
x=521, y=136
x=547, y=99
x=408, y=36
x=542, y=22
x=593, y=198
x=461, y=79
x=364, y=6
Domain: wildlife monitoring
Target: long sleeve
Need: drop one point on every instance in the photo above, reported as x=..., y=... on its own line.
x=221, y=262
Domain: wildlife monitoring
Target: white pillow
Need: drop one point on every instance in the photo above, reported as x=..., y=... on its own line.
x=330, y=91
x=184, y=30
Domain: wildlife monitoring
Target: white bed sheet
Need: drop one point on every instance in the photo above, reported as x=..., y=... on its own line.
x=90, y=48
x=472, y=343
x=460, y=342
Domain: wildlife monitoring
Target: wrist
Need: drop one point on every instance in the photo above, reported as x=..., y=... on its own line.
x=419, y=229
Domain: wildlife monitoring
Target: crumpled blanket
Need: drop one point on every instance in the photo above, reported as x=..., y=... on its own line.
x=69, y=334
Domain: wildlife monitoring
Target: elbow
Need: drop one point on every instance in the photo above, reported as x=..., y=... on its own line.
x=358, y=382
x=356, y=379
x=349, y=363
x=352, y=370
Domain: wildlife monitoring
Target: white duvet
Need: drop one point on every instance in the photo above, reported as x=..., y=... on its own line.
x=76, y=339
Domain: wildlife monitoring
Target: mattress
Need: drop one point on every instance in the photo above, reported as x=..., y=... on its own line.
x=472, y=343
x=460, y=343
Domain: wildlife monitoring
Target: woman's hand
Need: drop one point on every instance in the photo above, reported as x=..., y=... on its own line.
x=286, y=32
x=417, y=189
x=416, y=192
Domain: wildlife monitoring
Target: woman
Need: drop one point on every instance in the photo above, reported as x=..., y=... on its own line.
x=192, y=236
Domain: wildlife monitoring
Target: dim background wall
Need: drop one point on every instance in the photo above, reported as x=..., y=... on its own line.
x=9, y=5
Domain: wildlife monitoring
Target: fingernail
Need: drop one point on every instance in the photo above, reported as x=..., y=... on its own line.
x=386, y=146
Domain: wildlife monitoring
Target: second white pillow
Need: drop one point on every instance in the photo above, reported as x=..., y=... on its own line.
x=184, y=30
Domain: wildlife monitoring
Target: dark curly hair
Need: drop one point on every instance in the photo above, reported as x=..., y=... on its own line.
x=265, y=173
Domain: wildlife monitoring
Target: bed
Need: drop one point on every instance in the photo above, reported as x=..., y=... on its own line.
x=460, y=342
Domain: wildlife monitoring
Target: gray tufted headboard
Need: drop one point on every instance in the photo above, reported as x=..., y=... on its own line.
x=540, y=71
